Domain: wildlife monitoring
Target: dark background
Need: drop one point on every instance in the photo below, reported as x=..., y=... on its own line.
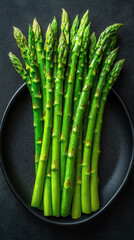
x=117, y=221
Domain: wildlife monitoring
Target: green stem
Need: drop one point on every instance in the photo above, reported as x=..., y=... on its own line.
x=97, y=134
x=68, y=98
x=39, y=182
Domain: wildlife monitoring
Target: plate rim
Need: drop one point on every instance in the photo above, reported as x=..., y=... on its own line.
x=30, y=209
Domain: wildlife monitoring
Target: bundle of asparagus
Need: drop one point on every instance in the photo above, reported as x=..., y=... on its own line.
x=69, y=80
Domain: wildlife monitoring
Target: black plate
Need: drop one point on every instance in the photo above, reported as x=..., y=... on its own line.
x=17, y=152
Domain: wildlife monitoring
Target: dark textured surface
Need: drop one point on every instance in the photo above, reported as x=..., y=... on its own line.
x=15, y=221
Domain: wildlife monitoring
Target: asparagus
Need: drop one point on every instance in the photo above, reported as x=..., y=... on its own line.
x=93, y=41
x=85, y=188
x=22, y=72
x=73, y=32
x=48, y=177
x=47, y=187
x=76, y=206
x=38, y=187
x=97, y=133
x=110, y=46
x=80, y=67
x=92, y=45
x=62, y=56
x=65, y=25
x=69, y=95
x=37, y=97
x=85, y=68
x=55, y=55
x=100, y=47
x=22, y=44
x=57, y=126
x=36, y=104
x=41, y=60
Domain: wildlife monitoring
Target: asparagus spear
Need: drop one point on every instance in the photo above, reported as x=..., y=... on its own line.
x=62, y=57
x=48, y=177
x=38, y=187
x=57, y=126
x=80, y=67
x=37, y=97
x=100, y=47
x=47, y=187
x=85, y=188
x=92, y=45
x=22, y=72
x=73, y=32
x=111, y=44
x=85, y=68
x=76, y=207
x=69, y=95
x=22, y=44
x=65, y=25
x=55, y=54
x=36, y=104
x=97, y=133
x=109, y=48
x=40, y=59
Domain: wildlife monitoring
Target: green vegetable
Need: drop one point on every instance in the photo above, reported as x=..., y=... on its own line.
x=100, y=47
x=69, y=96
x=48, y=177
x=36, y=97
x=85, y=187
x=97, y=133
x=57, y=125
x=41, y=60
x=39, y=182
x=92, y=45
x=76, y=207
x=73, y=32
x=22, y=72
x=22, y=44
x=47, y=187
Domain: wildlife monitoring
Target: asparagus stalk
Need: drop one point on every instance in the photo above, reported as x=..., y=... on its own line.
x=76, y=206
x=47, y=187
x=110, y=46
x=100, y=48
x=36, y=103
x=85, y=188
x=65, y=25
x=92, y=45
x=22, y=44
x=48, y=177
x=39, y=182
x=57, y=126
x=37, y=97
x=62, y=57
x=69, y=95
x=97, y=133
x=80, y=67
x=22, y=72
x=73, y=32
x=41, y=60
x=55, y=54
x=85, y=68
